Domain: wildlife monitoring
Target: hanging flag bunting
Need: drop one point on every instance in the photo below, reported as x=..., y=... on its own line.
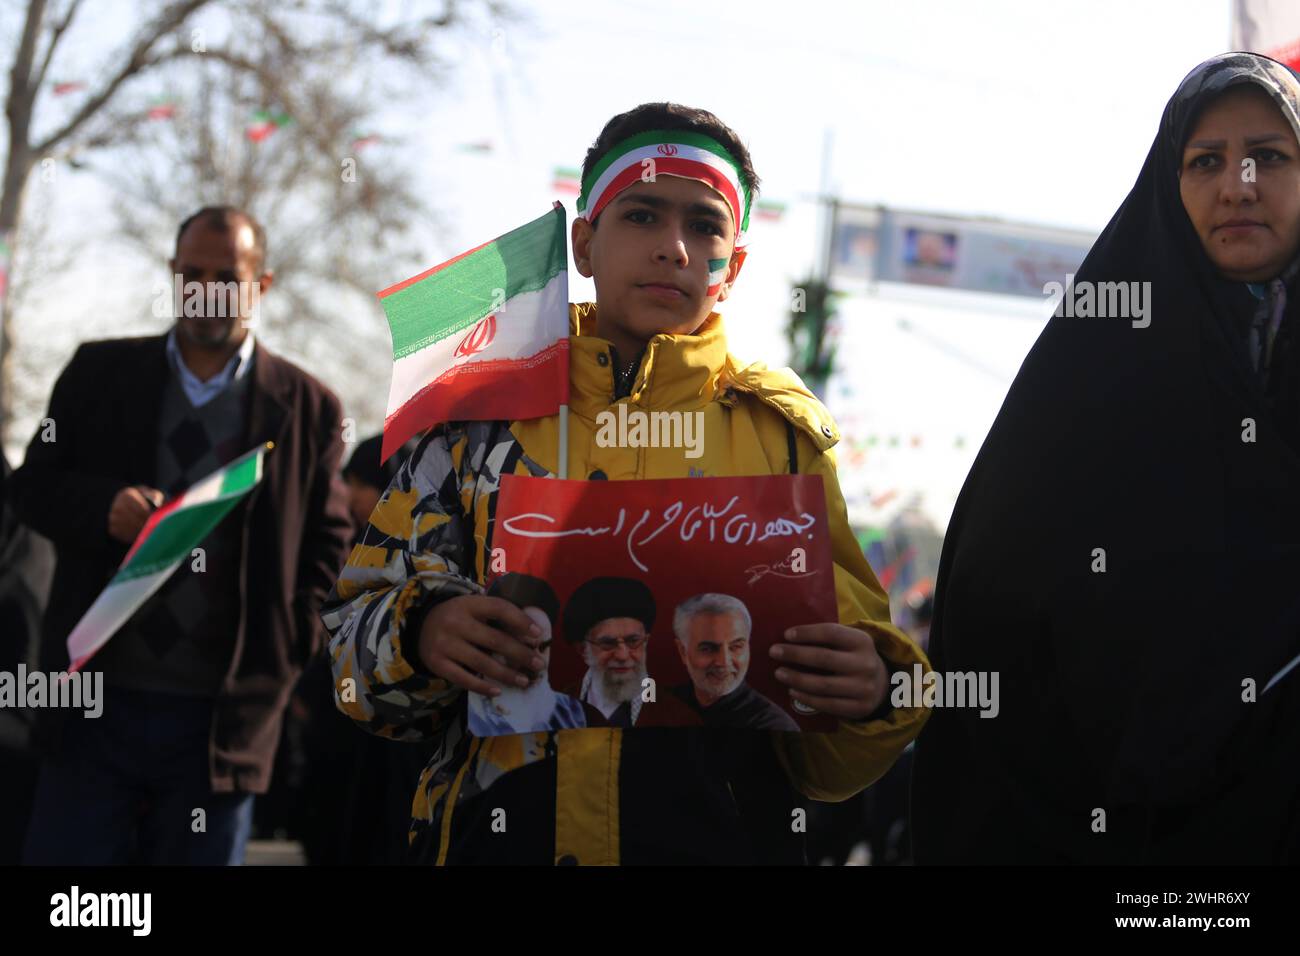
x=264, y=123
x=894, y=441
x=879, y=501
x=567, y=180
x=162, y=108
x=6, y=258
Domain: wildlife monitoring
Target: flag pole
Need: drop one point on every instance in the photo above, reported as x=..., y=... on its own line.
x=563, y=469
x=562, y=466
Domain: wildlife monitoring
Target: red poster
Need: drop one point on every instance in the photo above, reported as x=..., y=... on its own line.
x=660, y=599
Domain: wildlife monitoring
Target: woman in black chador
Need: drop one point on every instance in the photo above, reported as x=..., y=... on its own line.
x=1126, y=549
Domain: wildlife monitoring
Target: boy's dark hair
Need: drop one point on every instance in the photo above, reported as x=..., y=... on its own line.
x=671, y=116
x=221, y=218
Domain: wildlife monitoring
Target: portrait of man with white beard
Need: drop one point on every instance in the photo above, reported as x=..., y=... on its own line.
x=609, y=619
x=537, y=707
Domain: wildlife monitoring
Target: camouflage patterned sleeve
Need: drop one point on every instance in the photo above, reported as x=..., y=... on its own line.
x=413, y=553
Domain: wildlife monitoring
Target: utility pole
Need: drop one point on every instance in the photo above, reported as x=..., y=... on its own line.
x=827, y=209
x=812, y=312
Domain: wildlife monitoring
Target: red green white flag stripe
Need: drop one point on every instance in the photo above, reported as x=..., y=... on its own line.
x=666, y=153
x=162, y=108
x=483, y=336
x=168, y=538
x=567, y=180
x=6, y=256
x=264, y=123
x=717, y=275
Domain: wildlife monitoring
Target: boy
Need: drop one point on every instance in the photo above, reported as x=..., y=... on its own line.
x=413, y=631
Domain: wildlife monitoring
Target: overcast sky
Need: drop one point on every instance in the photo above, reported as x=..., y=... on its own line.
x=1022, y=110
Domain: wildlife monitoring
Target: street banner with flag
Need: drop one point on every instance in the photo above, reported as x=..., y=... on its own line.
x=483, y=336
x=168, y=537
x=1270, y=27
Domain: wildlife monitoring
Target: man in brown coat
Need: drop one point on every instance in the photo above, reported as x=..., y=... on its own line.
x=196, y=682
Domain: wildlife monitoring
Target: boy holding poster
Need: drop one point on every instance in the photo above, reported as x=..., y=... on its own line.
x=666, y=197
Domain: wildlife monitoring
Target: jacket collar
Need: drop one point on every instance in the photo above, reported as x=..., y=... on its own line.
x=270, y=399
x=676, y=371
x=687, y=372
x=206, y=390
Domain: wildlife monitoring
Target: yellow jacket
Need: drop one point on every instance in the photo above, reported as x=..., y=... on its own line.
x=415, y=552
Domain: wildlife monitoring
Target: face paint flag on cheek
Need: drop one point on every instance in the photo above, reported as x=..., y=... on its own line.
x=668, y=153
x=717, y=275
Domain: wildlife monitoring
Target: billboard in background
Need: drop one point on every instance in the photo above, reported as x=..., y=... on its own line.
x=855, y=240
x=877, y=244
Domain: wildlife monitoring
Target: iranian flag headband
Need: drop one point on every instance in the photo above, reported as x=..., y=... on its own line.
x=675, y=153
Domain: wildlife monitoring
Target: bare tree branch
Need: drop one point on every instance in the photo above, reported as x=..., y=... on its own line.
x=139, y=60
x=340, y=221
x=403, y=41
x=18, y=105
x=56, y=33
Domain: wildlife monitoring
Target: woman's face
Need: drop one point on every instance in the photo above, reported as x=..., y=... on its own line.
x=1240, y=184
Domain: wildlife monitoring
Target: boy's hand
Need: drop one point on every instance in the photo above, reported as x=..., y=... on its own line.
x=847, y=679
x=462, y=636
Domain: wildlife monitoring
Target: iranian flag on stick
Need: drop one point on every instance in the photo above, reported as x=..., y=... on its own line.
x=483, y=336
x=167, y=539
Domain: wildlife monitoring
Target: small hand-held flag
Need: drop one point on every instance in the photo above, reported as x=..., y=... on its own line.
x=483, y=336
x=167, y=539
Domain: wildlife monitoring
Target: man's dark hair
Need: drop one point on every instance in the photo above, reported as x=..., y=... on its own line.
x=671, y=116
x=223, y=219
x=524, y=590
